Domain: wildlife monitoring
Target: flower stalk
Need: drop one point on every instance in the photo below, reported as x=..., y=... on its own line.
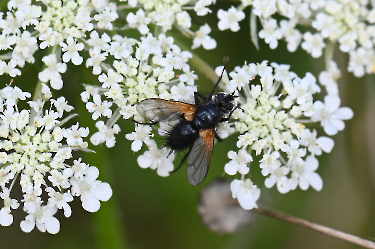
x=315, y=227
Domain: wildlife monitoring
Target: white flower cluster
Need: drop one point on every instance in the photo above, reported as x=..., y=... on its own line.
x=36, y=150
x=273, y=119
x=348, y=23
x=60, y=21
x=166, y=14
x=144, y=69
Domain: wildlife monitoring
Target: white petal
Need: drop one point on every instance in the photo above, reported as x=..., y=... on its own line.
x=27, y=226
x=332, y=102
x=246, y=200
x=337, y=123
x=330, y=129
x=315, y=181
x=144, y=161
x=243, y=169
x=344, y=113
x=67, y=210
x=136, y=145
x=6, y=218
x=325, y=143
x=270, y=181
x=311, y=164
x=91, y=174
x=102, y=192
x=165, y=168
x=52, y=224
x=236, y=186
x=231, y=168
x=283, y=186
x=303, y=183
x=89, y=202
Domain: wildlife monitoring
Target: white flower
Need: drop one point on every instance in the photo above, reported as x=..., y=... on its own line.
x=347, y=42
x=294, y=152
x=159, y=159
x=229, y=19
x=270, y=162
x=183, y=93
x=6, y=218
x=292, y=36
x=278, y=176
x=9, y=68
x=43, y=218
x=139, y=21
x=329, y=78
x=105, y=134
x=202, y=38
x=323, y=23
x=35, y=148
x=183, y=19
x=313, y=44
x=330, y=115
x=238, y=163
x=140, y=136
x=95, y=60
x=71, y=51
x=105, y=19
x=92, y=191
x=246, y=193
x=264, y=8
x=271, y=33
x=52, y=72
x=75, y=134
x=358, y=59
x=316, y=145
x=60, y=200
x=304, y=175
x=99, y=108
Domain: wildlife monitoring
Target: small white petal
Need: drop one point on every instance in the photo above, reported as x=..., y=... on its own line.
x=315, y=181
x=103, y=191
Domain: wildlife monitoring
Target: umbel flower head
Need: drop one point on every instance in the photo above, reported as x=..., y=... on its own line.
x=37, y=152
x=28, y=27
x=272, y=121
x=152, y=67
x=276, y=108
x=349, y=24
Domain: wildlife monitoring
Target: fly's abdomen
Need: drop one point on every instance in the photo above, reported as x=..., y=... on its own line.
x=182, y=136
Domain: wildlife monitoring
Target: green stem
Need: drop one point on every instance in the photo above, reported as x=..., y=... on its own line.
x=108, y=226
x=198, y=63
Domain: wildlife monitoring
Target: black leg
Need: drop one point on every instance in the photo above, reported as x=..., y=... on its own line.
x=230, y=115
x=183, y=160
x=218, y=138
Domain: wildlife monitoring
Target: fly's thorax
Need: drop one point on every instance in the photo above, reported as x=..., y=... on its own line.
x=207, y=116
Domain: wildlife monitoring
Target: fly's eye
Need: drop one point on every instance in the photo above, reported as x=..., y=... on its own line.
x=220, y=96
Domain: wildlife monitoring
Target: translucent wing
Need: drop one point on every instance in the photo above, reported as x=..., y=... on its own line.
x=157, y=110
x=200, y=156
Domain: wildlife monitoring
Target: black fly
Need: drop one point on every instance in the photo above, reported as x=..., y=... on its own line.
x=196, y=129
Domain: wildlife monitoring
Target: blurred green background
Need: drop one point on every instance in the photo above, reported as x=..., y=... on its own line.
x=148, y=211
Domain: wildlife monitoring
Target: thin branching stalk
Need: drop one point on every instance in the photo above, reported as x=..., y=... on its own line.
x=316, y=227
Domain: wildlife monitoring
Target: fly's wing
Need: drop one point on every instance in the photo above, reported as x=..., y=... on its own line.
x=200, y=156
x=157, y=110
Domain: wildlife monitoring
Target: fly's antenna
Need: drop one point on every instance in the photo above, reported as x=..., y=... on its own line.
x=218, y=81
